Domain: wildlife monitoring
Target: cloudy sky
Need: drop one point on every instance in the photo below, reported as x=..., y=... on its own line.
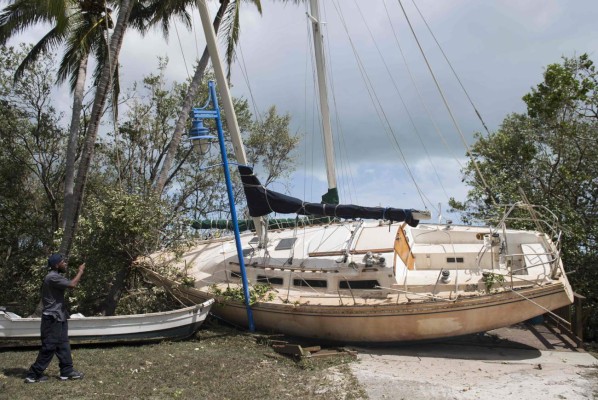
x=378, y=77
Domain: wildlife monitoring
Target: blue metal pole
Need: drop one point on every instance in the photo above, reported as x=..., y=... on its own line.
x=231, y=200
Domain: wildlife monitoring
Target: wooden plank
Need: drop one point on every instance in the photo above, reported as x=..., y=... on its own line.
x=290, y=349
x=343, y=252
x=312, y=349
x=332, y=353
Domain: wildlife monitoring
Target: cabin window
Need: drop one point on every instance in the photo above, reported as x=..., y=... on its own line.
x=315, y=283
x=254, y=240
x=234, y=274
x=369, y=284
x=286, y=244
x=272, y=281
x=454, y=259
x=247, y=252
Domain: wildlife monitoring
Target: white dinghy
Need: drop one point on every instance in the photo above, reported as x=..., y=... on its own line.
x=176, y=324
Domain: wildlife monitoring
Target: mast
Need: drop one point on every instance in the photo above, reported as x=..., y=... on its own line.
x=225, y=97
x=331, y=196
x=227, y=102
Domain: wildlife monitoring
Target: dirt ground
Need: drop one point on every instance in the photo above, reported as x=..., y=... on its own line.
x=520, y=362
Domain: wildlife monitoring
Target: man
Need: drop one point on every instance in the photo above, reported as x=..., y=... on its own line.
x=54, y=326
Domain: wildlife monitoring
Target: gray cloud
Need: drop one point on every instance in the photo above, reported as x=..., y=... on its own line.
x=499, y=49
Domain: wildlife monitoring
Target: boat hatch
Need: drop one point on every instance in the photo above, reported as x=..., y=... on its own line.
x=362, y=284
x=286, y=244
x=536, y=258
x=270, y=280
x=314, y=283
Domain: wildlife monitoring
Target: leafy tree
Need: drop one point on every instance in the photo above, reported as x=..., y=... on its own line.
x=79, y=26
x=268, y=141
x=550, y=155
x=31, y=174
x=105, y=78
x=114, y=230
x=228, y=12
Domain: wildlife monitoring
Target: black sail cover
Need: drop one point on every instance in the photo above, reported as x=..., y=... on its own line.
x=261, y=201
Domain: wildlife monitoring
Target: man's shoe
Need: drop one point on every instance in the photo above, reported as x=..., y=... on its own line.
x=35, y=379
x=72, y=375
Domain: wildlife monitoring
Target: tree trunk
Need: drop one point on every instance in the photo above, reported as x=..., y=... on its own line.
x=113, y=296
x=187, y=106
x=71, y=151
x=94, y=123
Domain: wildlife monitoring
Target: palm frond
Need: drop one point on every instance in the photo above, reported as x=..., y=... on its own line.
x=100, y=52
x=23, y=14
x=230, y=29
x=160, y=13
x=85, y=33
x=50, y=41
x=258, y=3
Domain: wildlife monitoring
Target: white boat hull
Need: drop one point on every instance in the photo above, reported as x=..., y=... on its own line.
x=176, y=324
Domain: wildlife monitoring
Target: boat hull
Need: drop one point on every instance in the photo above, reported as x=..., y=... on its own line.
x=177, y=324
x=389, y=323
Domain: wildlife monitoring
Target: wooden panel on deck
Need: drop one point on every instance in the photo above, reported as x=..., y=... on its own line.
x=403, y=249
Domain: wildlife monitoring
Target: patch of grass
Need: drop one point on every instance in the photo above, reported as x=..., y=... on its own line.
x=219, y=363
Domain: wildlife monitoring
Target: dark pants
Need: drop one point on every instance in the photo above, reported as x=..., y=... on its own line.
x=55, y=340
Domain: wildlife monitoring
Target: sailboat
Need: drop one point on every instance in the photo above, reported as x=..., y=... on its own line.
x=371, y=274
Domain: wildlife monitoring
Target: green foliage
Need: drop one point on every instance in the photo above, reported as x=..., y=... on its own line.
x=270, y=146
x=568, y=92
x=490, y=279
x=141, y=298
x=121, y=219
x=550, y=155
x=31, y=170
x=258, y=292
x=114, y=230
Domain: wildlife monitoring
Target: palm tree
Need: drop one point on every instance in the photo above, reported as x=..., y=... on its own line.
x=81, y=26
x=105, y=78
x=228, y=12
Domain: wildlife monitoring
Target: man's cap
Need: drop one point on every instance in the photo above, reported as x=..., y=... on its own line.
x=54, y=260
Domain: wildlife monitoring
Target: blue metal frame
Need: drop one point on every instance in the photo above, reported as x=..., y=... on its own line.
x=198, y=114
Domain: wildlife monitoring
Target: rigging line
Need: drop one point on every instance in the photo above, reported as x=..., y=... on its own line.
x=182, y=52
x=419, y=94
x=243, y=68
x=451, y=67
x=444, y=100
x=114, y=101
x=346, y=176
x=366, y=82
x=379, y=109
x=402, y=101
